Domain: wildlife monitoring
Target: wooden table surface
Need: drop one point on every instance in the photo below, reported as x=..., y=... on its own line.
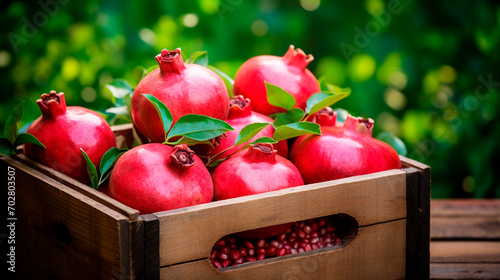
x=465, y=239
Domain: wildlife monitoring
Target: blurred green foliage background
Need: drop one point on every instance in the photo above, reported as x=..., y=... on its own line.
x=426, y=71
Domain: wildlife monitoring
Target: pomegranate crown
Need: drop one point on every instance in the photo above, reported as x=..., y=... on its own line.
x=326, y=117
x=52, y=104
x=261, y=152
x=170, y=61
x=297, y=57
x=359, y=124
x=239, y=106
x=182, y=156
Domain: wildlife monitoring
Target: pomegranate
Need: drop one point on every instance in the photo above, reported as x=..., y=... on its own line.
x=303, y=236
x=288, y=72
x=342, y=151
x=156, y=177
x=241, y=115
x=255, y=170
x=183, y=88
x=64, y=130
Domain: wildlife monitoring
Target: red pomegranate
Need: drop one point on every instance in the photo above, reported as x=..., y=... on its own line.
x=64, y=130
x=342, y=151
x=256, y=170
x=288, y=72
x=183, y=88
x=156, y=177
x=241, y=115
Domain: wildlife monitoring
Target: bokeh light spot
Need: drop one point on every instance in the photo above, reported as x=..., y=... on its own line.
x=395, y=99
x=4, y=58
x=374, y=7
x=398, y=80
x=310, y=5
x=70, y=68
x=447, y=74
x=88, y=94
x=148, y=36
x=190, y=20
x=259, y=28
x=361, y=67
x=468, y=184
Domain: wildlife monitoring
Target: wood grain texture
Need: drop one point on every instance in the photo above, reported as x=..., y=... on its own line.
x=370, y=199
x=63, y=234
x=378, y=252
x=466, y=228
x=151, y=246
x=465, y=271
x=465, y=207
x=465, y=252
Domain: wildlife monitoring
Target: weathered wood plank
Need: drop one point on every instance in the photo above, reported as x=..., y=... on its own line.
x=151, y=246
x=465, y=271
x=370, y=199
x=465, y=252
x=465, y=207
x=466, y=228
x=378, y=252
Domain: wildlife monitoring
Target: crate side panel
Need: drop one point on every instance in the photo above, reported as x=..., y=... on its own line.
x=378, y=252
x=370, y=199
x=62, y=234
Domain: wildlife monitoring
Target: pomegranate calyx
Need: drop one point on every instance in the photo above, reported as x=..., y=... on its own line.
x=297, y=57
x=326, y=117
x=183, y=156
x=170, y=61
x=239, y=106
x=52, y=104
x=261, y=152
x=359, y=124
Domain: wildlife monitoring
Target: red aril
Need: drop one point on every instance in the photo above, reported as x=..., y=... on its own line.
x=156, y=177
x=342, y=152
x=183, y=88
x=255, y=170
x=288, y=72
x=64, y=130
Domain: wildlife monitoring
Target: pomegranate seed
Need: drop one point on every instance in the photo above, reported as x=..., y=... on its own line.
x=217, y=264
x=213, y=255
x=322, y=231
x=261, y=243
x=261, y=251
x=330, y=228
x=314, y=234
x=327, y=240
x=281, y=252
x=292, y=239
x=232, y=240
x=300, y=250
x=282, y=237
x=250, y=259
x=261, y=257
x=221, y=243
x=288, y=230
x=302, y=224
x=222, y=256
x=248, y=244
x=314, y=240
x=321, y=222
x=226, y=249
x=301, y=234
x=251, y=252
x=303, y=244
x=314, y=227
x=307, y=229
x=243, y=252
x=292, y=235
x=226, y=263
x=296, y=245
x=314, y=246
x=274, y=243
x=293, y=251
x=239, y=261
x=271, y=251
x=336, y=240
x=308, y=247
x=235, y=254
x=233, y=246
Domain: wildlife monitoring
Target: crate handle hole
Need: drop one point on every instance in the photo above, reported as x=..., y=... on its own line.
x=62, y=233
x=310, y=236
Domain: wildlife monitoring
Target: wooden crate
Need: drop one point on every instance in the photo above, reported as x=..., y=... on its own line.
x=66, y=229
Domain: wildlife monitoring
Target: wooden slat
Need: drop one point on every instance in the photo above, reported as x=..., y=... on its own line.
x=370, y=199
x=465, y=271
x=466, y=228
x=378, y=252
x=63, y=234
x=151, y=246
x=465, y=207
x=465, y=252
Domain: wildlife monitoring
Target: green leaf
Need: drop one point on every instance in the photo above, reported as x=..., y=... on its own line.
x=394, y=142
x=296, y=129
x=10, y=129
x=327, y=87
x=91, y=170
x=341, y=114
x=265, y=140
x=190, y=142
x=25, y=127
x=152, y=68
x=198, y=57
x=321, y=100
x=120, y=88
x=227, y=80
x=27, y=138
x=279, y=97
x=139, y=73
x=6, y=148
x=109, y=159
x=198, y=127
x=216, y=163
x=248, y=132
x=291, y=116
x=163, y=112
